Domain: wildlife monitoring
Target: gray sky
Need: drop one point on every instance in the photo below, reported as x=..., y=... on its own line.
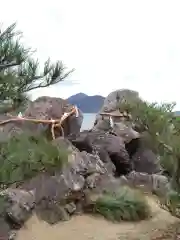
x=112, y=44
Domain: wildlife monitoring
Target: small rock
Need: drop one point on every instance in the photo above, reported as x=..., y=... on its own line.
x=70, y=208
x=91, y=181
x=20, y=204
x=18, y=214
x=12, y=235
x=52, y=212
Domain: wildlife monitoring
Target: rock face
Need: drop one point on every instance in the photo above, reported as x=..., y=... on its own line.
x=113, y=146
x=114, y=100
x=44, y=108
x=144, y=160
x=54, y=108
x=100, y=160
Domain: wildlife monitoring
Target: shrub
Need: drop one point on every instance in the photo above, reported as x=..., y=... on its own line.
x=171, y=202
x=126, y=204
x=163, y=129
x=24, y=156
x=20, y=72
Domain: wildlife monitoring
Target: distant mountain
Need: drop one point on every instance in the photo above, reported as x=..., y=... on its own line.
x=77, y=97
x=87, y=104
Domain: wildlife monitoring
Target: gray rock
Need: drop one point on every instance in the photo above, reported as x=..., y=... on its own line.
x=104, y=143
x=5, y=230
x=66, y=185
x=104, y=183
x=150, y=182
x=12, y=235
x=114, y=100
x=54, y=108
x=102, y=124
x=43, y=108
x=20, y=204
x=125, y=131
x=93, y=164
x=91, y=181
x=70, y=208
x=144, y=160
x=52, y=212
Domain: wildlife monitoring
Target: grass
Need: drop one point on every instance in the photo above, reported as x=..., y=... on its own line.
x=124, y=205
x=25, y=156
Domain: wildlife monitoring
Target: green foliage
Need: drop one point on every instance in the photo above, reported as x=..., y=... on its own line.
x=20, y=73
x=126, y=204
x=171, y=202
x=162, y=129
x=151, y=117
x=24, y=156
x=178, y=118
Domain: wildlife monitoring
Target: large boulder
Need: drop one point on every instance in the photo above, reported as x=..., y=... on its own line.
x=114, y=100
x=53, y=108
x=112, y=116
x=118, y=153
x=105, y=144
x=19, y=204
x=146, y=161
x=43, y=108
x=119, y=96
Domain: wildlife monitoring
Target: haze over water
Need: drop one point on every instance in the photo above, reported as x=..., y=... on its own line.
x=88, y=121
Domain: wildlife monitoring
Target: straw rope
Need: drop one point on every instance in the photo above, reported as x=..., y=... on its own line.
x=55, y=123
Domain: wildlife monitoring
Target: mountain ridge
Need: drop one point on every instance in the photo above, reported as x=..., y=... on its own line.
x=86, y=103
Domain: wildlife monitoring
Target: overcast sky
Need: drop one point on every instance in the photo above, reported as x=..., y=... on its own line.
x=112, y=44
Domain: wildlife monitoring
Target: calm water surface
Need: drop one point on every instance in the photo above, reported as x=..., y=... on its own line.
x=88, y=121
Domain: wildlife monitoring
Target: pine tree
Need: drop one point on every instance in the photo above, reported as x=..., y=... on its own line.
x=19, y=72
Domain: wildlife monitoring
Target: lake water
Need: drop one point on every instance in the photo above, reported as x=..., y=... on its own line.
x=88, y=121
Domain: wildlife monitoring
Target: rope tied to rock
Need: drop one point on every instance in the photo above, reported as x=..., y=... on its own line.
x=55, y=123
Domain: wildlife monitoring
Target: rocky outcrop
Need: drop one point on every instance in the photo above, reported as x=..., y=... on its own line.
x=113, y=118
x=112, y=154
x=57, y=197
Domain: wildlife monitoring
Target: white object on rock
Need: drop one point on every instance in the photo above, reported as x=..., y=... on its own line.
x=111, y=122
x=64, y=116
x=77, y=112
x=20, y=115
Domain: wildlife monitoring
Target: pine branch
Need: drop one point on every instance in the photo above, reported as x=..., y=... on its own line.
x=19, y=72
x=30, y=80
